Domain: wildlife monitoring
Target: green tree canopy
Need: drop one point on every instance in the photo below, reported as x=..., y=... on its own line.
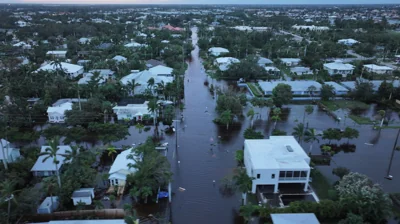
x=281, y=95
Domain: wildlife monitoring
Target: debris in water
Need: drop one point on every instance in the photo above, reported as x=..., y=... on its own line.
x=182, y=189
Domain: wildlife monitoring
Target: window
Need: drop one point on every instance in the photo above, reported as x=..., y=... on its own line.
x=258, y=176
x=56, y=118
x=296, y=174
x=303, y=173
x=282, y=174
x=116, y=181
x=273, y=176
x=289, y=174
x=51, y=117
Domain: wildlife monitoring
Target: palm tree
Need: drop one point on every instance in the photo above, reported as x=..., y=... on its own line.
x=161, y=88
x=153, y=107
x=7, y=190
x=243, y=182
x=307, y=109
x=111, y=151
x=250, y=114
x=98, y=205
x=311, y=136
x=57, y=65
x=73, y=154
x=52, y=152
x=298, y=132
x=276, y=115
x=226, y=118
x=151, y=83
x=131, y=86
x=49, y=185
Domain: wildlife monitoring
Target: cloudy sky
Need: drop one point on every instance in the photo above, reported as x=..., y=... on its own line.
x=204, y=1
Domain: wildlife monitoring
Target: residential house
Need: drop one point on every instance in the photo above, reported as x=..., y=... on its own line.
x=378, y=69
x=103, y=76
x=8, y=152
x=348, y=42
x=23, y=45
x=135, y=45
x=338, y=67
x=294, y=218
x=311, y=28
x=301, y=70
x=165, y=41
x=84, y=40
x=120, y=59
x=142, y=77
x=172, y=28
x=339, y=89
x=300, y=87
x=49, y=205
x=274, y=161
x=161, y=70
x=120, y=168
x=223, y=63
x=264, y=61
x=290, y=61
x=57, y=54
x=152, y=63
x=218, y=51
x=56, y=114
x=104, y=46
x=48, y=168
x=21, y=23
x=272, y=70
x=133, y=112
x=70, y=69
x=83, y=195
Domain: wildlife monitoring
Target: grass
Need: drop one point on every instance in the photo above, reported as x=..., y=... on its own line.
x=360, y=120
x=254, y=89
x=320, y=184
x=334, y=105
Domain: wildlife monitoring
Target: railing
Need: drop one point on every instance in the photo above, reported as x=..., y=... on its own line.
x=292, y=178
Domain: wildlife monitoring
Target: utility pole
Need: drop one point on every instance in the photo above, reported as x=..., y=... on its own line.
x=79, y=99
x=388, y=176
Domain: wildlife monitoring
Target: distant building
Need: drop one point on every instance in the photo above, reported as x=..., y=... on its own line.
x=152, y=63
x=160, y=74
x=21, y=23
x=339, y=89
x=378, y=69
x=49, y=205
x=311, y=28
x=56, y=112
x=338, y=67
x=279, y=159
x=83, y=195
x=120, y=169
x=57, y=54
x=294, y=218
x=223, y=63
x=290, y=61
x=11, y=154
x=135, y=45
x=120, y=59
x=348, y=42
x=217, y=51
x=264, y=61
x=70, y=69
x=133, y=112
x=298, y=87
x=84, y=40
x=301, y=71
x=48, y=168
x=272, y=70
x=103, y=76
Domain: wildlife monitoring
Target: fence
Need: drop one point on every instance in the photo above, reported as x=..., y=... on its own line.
x=82, y=214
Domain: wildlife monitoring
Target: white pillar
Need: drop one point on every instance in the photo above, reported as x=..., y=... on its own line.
x=307, y=180
x=276, y=188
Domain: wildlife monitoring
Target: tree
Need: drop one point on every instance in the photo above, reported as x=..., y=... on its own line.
x=250, y=114
x=153, y=108
x=243, y=182
x=307, y=109
x=359, y=195
x=229, y=101
x=108, y=132
x=131, y=85
x=298, y=132
x=350, y=133
x=276, y=112
x=7, y=190
x=310, y=136
x=168, y=115
x=239, y=157
x=327, y=92
x=249, y=133
x=340, y=171
x=111, y=151
x=332, y=134
x=352, y=219
x=151, y=83
x=226, y=118
x=281, y=95
x=311, y=89
x=385, y=90
x=261, y=103
x=51, y=152
x=364, y=91
x=382, y=114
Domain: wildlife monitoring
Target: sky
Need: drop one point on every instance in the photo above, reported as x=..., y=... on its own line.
x=286, y=2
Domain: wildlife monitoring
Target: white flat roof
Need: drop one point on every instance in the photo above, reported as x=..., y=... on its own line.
x=296, y=85
x=161, y=70
x=378, y=67
x=70, y=68
x=338, y=65
x=60, y=109
x=294, y=218
x=273, y=153
x=218, y=50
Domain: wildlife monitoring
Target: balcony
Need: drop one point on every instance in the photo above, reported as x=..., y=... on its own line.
x=292, y=178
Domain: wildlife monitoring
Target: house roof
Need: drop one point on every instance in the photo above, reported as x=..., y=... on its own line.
x=218, y=50
x=60, y=109
x=104, y=74
x=119, y=58
x=69, y=68
x=299, y=86
x=273, y=153
x=133, y=109
x=153, y=62
x=48, y=165
x=227, y=60
x=287, y=60
x=83, y=193
x=338, y=65
x=300, y=70
x=56, y=52
x=142, y=78
x=135, y=44
x=47, y=202
x=348, y=41
x=294, y=218
x=121, y=163
x=126, y=101
x=262, y=60
x=271, y=68
x=337, y=86
x=161, y=70
x=378, y=67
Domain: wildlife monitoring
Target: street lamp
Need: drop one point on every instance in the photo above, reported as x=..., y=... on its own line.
x=388, y=176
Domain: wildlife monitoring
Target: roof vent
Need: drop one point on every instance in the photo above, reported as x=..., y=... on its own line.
x=289, y=148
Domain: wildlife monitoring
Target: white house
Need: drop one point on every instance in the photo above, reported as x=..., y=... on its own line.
x=338, y=67
x=224, y=62
x=300, y=87
x=48, y=168
x=301, y=70
x=217, y=51
x=378, y=69
x=48, y=205
x=161, y=70
x=135, y=45
x=57, y=54
x=264, y=61
x=83, y=195
x=84, y=40
x=120, y=59
x=272, y=70
x=348, y=42
x=9, y=153
x=311, y=28
x=132, y=111
x=56, y=114
x=22, y=45
x=120, y=169
x=70, y=69
x=104, y=75
x=279, y=159
x=143, y=77
x=21, y=23
x=290, y=61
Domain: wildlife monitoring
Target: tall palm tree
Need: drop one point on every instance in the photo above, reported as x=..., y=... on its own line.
x=226, y=118
x=250, y=114
x=298, y=132
x=131, y=86
x=52, y=152
x=73, y=154
x=111, y=151
x=276, y=115
x=50, y=186
x=7, y=190
x=161, y=88
x=57, y=65
x=243, y=182
x=311, y=136
x=151, y=83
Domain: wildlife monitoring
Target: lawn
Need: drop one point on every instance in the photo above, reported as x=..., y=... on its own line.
x=320, y=184
x=334, y=105
x=254, y=89
x=360, y=120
